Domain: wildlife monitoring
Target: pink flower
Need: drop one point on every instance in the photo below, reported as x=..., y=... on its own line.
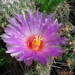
x=34, y=37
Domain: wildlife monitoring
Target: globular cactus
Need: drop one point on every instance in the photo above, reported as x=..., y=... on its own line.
x=8, y=7
x=62, y=12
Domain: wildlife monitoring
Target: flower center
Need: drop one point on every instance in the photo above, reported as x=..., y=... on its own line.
x=37, y=40
x=35, y=43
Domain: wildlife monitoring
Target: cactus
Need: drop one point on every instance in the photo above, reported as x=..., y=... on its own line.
x=17, y=6
x=8, y=8
x=62, y=12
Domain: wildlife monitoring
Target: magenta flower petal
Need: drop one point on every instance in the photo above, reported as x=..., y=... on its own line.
x=41, y=58
x=28, y=62
x=24, y=55
x=35, y=37
x=59, y=41
x=54, y=51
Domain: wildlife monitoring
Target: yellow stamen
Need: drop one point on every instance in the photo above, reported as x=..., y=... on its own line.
x=37, y=40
